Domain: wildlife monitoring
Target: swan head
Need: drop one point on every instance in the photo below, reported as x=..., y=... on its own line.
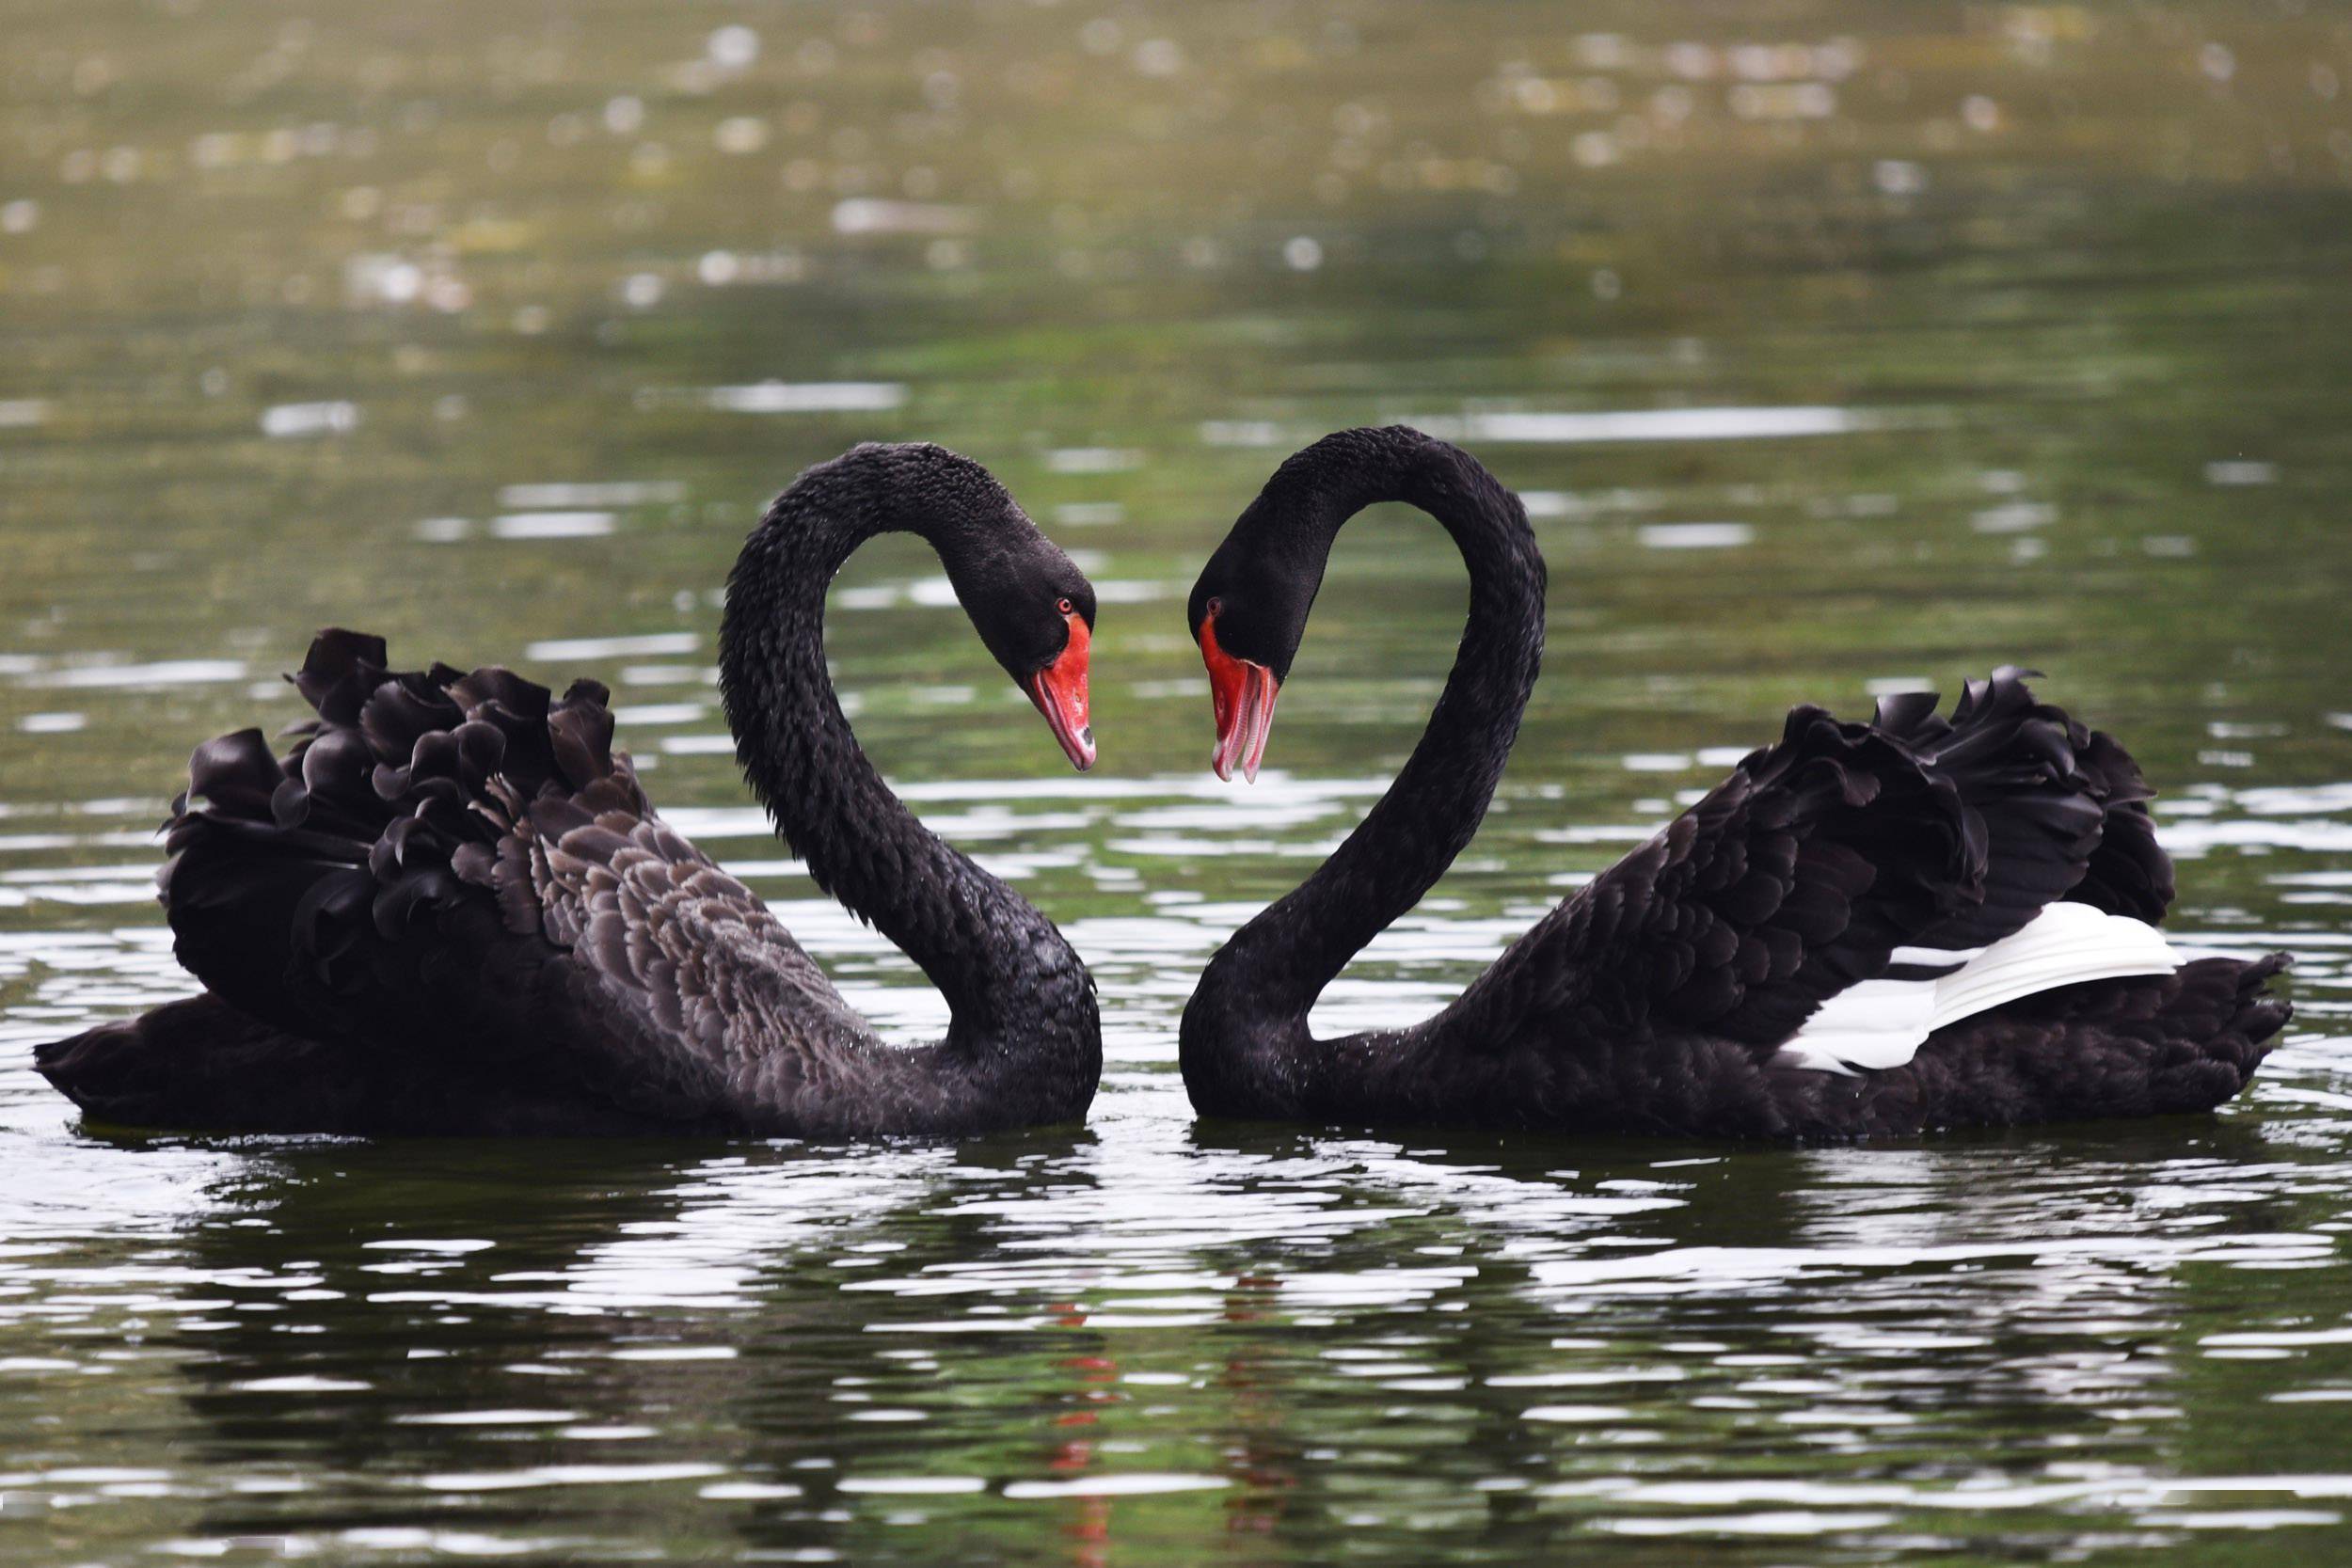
x=1059, y=688
x=1035, y=612
x=1248, y=616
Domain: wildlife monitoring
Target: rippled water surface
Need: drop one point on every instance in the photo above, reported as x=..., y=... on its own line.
x=1836, y=347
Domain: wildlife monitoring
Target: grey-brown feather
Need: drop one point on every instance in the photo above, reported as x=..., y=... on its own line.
x=394, y=898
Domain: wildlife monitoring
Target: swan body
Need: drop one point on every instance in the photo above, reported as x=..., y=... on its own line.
x=1930, y=920
x=451, y=908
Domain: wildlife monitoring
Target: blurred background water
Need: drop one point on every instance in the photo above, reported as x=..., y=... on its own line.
x=1837, y=347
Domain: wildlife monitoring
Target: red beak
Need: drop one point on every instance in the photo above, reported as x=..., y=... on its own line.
x=1059, y=692
x=1242, y=694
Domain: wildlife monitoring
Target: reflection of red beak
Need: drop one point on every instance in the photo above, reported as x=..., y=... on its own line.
x=1242, y=695
x=1059, y=692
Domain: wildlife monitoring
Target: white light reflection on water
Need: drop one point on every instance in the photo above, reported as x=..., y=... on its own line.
x=820, y=397
x=1648, y=424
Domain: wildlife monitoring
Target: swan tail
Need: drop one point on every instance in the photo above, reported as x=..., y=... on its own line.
x=199, y=1064
x=360, y=882
x=2241, y=1025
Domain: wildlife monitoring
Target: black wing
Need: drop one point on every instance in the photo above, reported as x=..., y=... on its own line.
x=2062, y=807
x=452, y=864
x=1802, y=872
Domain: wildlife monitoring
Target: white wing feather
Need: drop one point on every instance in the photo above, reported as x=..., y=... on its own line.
x=1882, y=1023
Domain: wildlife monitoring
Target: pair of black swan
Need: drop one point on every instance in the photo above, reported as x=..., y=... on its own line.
x=451, y=909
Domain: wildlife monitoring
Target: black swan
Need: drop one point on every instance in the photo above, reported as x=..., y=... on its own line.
x=1923, y=922
x=452, y=910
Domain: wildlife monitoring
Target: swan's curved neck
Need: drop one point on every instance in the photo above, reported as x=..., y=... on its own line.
x=1258, y=990
x=1024, y=1015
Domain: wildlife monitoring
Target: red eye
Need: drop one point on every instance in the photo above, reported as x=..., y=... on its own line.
x=1063, y=605
x=1216, y=605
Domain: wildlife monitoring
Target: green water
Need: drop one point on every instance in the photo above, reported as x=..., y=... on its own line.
x=490, y=327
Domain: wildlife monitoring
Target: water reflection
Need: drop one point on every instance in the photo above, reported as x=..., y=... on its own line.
x=1466, y=1336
